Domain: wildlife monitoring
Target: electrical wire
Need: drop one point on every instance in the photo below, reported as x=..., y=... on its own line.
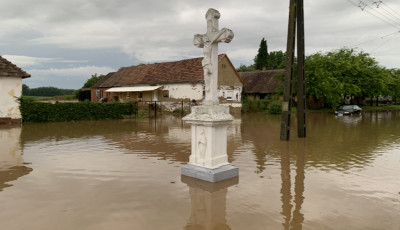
x=383, y=8
x=384, y=42
x=381, y=19
x=380, y=13
x=372, y=40
x=395, y=12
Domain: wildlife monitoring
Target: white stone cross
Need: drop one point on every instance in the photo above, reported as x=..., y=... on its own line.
x=209, y=43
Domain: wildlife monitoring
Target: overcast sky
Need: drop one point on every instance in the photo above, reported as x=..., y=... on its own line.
x=62, y=43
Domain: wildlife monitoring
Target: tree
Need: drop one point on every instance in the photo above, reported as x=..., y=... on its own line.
x=345, y=72
x=93, y=80
x=25, y=89
x=276, y=60
x=244, y=68
x=394, y=86
x=261, y=60
x=48, y=91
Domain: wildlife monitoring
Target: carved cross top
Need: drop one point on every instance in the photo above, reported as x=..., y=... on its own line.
x=209, y=43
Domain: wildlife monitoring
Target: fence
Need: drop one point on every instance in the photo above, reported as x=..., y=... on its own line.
x=155, y=108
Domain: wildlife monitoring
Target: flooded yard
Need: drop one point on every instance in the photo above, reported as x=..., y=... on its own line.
x=125, y=174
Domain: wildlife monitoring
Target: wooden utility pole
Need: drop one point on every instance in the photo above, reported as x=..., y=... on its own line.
x=301, y=84
x=287, y=93
x=296, y=17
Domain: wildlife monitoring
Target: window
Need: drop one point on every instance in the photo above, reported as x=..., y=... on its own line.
x=97, y=93
x=229, y=95
x=166, y=93
x=140, y=95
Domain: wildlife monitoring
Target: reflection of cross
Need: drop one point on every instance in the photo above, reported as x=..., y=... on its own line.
x=209, y=43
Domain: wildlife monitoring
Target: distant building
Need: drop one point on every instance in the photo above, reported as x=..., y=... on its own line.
x=10, y=90
x=100, y=88
x=260, y=84
x=169, y=82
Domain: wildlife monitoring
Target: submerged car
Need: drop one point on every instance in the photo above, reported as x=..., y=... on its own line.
x=348, y=110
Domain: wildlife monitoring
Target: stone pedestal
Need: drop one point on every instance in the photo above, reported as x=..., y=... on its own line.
x=209, y=159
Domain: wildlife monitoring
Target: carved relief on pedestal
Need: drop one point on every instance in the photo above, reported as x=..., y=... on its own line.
x=201, y=148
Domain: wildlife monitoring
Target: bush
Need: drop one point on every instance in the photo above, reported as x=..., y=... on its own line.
x=46, y=112
x=275, y=108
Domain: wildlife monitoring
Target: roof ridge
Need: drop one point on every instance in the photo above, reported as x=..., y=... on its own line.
x=8, y=69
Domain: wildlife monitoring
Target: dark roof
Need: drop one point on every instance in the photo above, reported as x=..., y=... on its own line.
x=261, y=81
x=184, y=71
x=8, y=69
x=101, y=81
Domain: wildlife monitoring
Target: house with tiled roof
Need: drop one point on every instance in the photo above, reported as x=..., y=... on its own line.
x=169, y=82
x=259, y=84
x=10, y=89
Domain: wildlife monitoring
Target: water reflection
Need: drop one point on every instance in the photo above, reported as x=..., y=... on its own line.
x=125, y=174
x=11, y=161
x=350, y=120
x=334, y=143
x=208, y=209
x=165, y=138
x=292, y=221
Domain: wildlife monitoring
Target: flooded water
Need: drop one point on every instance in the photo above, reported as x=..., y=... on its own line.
x=125, y=174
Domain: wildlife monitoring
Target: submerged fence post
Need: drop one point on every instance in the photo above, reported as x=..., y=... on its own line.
x=155, y=108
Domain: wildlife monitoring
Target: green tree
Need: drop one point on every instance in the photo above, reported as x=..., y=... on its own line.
x=345, y=72
x=47, y=91
x=394, y=85
x=245, y=68
x=261, y=60
x=276, y=60
x=25, y=89
x=92, y=80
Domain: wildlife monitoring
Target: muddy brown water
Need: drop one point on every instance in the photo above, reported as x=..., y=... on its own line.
x=125, y=174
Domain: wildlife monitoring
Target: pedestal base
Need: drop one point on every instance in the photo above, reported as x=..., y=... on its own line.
x=212, y=175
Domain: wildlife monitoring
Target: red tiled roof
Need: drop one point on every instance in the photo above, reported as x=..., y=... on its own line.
x=8, y=69
x=184, y=71
x=104, y=79
x=261, y=81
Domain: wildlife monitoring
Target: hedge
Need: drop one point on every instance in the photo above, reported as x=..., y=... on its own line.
x=46, y=112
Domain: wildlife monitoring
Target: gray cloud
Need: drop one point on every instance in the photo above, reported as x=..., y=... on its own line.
x=152, y=30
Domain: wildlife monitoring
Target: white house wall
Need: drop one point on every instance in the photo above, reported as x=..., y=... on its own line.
x=185, y=91
x=10, y=89
x=235, y=93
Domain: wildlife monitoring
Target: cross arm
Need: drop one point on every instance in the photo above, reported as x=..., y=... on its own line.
x=198, y=40
x=224, y=35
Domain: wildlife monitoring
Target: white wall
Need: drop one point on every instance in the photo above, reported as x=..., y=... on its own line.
x=185, y=91
x=227, y=91
x=10, y=90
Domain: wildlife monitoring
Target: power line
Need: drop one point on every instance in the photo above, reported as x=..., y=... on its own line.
x=395, y=12
x=377, y=3
x=384, y=43
x=362, y=5
x=382, y=37
x=383, y=20
x=381, y=14
x=380, y=18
